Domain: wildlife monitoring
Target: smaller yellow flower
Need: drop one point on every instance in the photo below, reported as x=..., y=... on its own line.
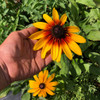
x=42, y=84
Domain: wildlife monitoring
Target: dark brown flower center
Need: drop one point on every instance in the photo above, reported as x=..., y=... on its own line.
x=42, y=86
x=58, y=31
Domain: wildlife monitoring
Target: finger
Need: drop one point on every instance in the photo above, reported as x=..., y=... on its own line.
x=48, y=59
x=28, y=31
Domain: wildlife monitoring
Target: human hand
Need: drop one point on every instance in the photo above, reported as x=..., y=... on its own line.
x=17, y=54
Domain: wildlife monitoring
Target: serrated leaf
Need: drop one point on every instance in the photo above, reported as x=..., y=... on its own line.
x=93, y=15
x=94, y=35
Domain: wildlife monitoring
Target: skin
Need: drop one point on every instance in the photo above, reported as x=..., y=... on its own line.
x=18, y=61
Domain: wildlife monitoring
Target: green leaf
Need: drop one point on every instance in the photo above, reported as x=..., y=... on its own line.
x=25, y=96
x=94, y=35
x=24, y=18
x=97, y=3
x=98, y=78
x=65, y=64
x=79, y=94
x=93, y=15
x=3, y=5
x=74, y=11
x=76, y=67
x=41, y=98
x=95, y=57
x=87, y=28
x=96, y=25
x=16, y=89
x=56, y=97
x=94, y=70
x=5, y=12
x=92, y=88
x=29, y=2
x=89, y=3
x=4, y=92
x=87, y=66
x=63, y=97
x=62, y=5
x=71, y=85
x=24, y=2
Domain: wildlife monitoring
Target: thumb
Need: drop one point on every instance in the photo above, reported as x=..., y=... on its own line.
x=28, y=31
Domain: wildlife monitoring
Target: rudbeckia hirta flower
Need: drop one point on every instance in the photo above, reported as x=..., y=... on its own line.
x=42, y=84
x=55, y=38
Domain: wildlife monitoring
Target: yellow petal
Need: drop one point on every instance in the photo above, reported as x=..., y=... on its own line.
x=59, y=53
x=39, y=34
x=49, y=92
x=37, y=92
x=30, y=91
x=41, y=25
x=33, y=84
x=41, y=76
x=77, y=38
x=71, y=29
x=45, y=75
x=50, y=78
x=48, y=19
x=44, y=94
x=73, y=46
x=36, y=78
x=66, y=49
x=55, y=15
x=40, y=94
x=51, y=87
x=46, y=48
x=63, y=19
x=41, y=43
x=54, y=50
x=33, y=90
x=53, y=83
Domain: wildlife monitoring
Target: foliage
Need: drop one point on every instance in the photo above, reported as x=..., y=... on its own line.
x=78, y=79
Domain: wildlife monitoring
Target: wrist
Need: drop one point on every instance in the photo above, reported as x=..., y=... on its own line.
x=4, y=75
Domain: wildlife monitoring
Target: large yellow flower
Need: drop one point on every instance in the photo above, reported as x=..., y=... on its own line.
x=42, y=85
x=55, y=38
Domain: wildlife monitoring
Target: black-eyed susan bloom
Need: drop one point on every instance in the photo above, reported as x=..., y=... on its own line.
x=55, y=38
x=42, y=84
